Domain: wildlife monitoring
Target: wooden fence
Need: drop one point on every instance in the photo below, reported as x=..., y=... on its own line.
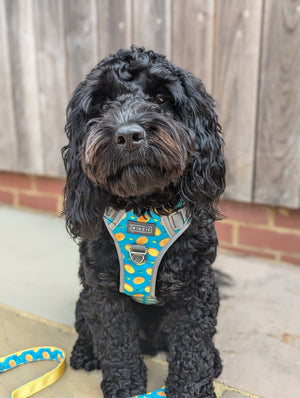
x=247, y=52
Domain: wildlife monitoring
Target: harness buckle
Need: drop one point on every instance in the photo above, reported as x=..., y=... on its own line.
x=138, y=253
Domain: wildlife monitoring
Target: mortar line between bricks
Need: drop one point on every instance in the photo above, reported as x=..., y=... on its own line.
x=235, y=234
x=265, y=250
x=254, y=248
x=37, y=210
x=271, y=217
x=39, y=193
x=31, y=192
x=278, y=256
x=275, y=228
x=33, y=182
x=244, y=251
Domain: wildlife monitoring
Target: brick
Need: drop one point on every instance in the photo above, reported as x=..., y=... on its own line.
x=50, y=185
x=290, y=259
x=249, y=252
x=38, y=202
x=287, y=218
x=224, y=232
x=6, y=197
x=243, y=212
x=263, y=238
x=12, y=180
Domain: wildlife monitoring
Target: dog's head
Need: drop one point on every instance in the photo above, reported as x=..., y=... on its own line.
x=142, y=133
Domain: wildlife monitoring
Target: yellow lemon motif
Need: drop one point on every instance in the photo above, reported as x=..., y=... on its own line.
x=163, y=242
x=147, y=289
x=149, y=271
x=128, y=287
x=142, y=240
x=46, y=355
x=12, y=363
x=138, y=296
x=28, y=357
x=157, y=231
x=127, y=247
x=138, y=280
x=129, y=268
x=144, y=218
x=161, y=394
x=153, y=252
x=119, y=236
x=59, y=358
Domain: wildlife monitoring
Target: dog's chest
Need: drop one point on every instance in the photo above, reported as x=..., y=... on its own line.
x=141, y=243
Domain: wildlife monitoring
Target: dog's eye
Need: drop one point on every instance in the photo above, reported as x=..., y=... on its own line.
x=103, y=107
x=159, y=99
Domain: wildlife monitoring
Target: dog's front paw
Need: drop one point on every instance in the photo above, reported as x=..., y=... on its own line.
x=191, y=390
x=122, y=384
x=110, y=391
x=83, y=356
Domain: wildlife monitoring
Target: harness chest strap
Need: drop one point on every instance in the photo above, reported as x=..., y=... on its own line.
x=141, y=242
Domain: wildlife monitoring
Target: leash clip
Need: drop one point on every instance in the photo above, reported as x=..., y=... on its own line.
x=138, y=253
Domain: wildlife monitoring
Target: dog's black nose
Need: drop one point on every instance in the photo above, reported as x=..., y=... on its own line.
x=130, y=137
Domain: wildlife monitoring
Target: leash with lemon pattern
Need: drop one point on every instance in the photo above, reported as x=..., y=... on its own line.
x=32, y=355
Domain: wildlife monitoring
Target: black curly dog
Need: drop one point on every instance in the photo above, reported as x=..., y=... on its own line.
x=143, y=134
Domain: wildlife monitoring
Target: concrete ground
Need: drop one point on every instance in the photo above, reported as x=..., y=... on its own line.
x=259, y=322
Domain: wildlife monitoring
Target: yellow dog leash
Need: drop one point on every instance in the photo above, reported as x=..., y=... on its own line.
x=32, y=355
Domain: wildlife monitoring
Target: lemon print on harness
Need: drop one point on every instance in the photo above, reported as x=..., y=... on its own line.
x=129, y=269
x=120, y=236
x=141, y=242
x=153, y=252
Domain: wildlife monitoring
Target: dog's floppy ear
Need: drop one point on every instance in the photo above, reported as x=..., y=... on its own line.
x=204, y=179
x=84, y=203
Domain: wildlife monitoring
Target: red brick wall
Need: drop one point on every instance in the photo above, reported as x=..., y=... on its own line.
x=32, y=192
x=263, y=231
x=258, y=230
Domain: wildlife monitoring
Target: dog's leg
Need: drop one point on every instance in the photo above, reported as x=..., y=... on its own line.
x=113, y=326
x=193, y=359
x=83, y=352
x=149, y=318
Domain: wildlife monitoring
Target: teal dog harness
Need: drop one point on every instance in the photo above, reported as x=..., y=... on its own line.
x=141, y=243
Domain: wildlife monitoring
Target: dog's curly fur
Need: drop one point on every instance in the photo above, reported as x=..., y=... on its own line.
x=179, y=157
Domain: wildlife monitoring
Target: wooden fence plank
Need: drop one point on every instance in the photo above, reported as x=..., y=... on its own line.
x=81, y=29
x=8, y=138
x=114, y=18
x=51, y=67
x=48, y=46
x=192, y=37
x=278, y=143
x=152, y=25
x=24, y=82
x=235, y=88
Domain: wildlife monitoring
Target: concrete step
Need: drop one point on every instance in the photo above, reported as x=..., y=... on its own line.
x=21, y=330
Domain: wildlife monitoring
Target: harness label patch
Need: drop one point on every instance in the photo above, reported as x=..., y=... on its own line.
x=140, y=228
